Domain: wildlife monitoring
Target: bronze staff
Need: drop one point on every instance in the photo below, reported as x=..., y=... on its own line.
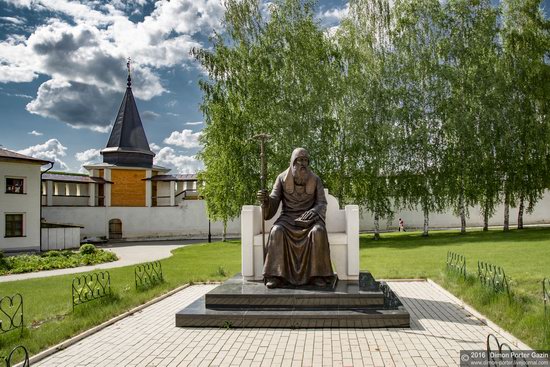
x=263, y=173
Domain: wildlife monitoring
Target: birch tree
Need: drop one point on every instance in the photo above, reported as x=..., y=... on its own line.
x=419, y=144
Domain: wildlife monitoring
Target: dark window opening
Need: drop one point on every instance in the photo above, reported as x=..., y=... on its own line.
x=14, y=225
x=14, y=185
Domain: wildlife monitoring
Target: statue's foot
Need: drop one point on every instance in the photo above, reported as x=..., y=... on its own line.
x=319, y=282
x=273, y=283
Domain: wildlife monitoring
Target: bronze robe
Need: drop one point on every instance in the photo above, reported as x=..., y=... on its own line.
x=293, y=253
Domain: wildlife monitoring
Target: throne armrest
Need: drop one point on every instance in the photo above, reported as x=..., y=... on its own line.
x=251, y=225
x=352, y=232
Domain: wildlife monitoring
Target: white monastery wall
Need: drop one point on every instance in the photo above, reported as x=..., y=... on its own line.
x=186, y=220
x=415, y=218
x=189, y=219
x=27, y=204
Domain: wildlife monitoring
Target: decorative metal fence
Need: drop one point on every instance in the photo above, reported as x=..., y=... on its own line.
x=26, y=362
x=456, y=263
x=148, y=274
x=493, y=276
x=546, y=295
x=91, y=286
x=11, y=313
x=501, y=354
x=546, y=300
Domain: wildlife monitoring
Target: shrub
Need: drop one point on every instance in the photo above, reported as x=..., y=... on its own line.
x=4, y=264
x=52, y=253
x=87, y=249
x=54, y=260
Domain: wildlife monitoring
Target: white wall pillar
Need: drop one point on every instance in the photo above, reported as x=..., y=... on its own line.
x=148, y=189
x=91, y=193
x=172, y=193
x=49, y=193
x=107, y=188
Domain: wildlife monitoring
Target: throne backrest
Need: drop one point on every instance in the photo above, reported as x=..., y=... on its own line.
x=335, y=219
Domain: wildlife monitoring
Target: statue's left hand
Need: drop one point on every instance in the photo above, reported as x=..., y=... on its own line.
x=310, y=214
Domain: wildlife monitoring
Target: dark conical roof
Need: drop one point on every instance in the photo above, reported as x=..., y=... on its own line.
x=128, y=145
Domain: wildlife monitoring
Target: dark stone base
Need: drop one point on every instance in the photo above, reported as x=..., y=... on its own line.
x=239, y=303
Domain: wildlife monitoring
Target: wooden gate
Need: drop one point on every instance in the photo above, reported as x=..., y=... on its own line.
x=115, y=229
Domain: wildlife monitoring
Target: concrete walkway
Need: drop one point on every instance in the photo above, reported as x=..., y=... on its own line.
x=440, y=328
x=129, y=253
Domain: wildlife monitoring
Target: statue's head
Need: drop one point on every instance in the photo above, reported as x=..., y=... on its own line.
x=299, y=165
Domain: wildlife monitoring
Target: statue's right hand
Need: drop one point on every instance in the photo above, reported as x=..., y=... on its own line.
x=263, y=197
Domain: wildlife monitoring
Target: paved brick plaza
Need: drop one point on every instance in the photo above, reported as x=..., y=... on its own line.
x=440, y=328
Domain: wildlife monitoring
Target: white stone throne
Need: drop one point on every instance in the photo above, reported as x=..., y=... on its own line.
x=343, y=237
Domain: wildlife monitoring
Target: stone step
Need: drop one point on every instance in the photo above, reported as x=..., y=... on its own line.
x=236, y=293
x=198, y=315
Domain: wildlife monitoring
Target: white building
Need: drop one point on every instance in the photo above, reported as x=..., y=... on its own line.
x=19, y=201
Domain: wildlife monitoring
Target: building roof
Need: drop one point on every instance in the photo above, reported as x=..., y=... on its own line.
x=110, y=165
x=77, y=178
x=180, y=177
x=128, y=145
x=8, y=155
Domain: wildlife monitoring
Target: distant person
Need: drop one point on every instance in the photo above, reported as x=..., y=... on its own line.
x=401, y=225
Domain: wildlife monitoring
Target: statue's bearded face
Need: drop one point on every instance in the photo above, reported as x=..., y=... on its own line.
x=300, y=170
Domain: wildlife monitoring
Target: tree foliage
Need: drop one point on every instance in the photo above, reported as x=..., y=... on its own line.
x=408, y=104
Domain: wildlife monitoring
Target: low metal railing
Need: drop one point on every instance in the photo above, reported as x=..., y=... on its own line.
x=11, y=313
x=148, y=275
x=89, y=287
x=456, y=263
x=26, y=362
x=492, y=276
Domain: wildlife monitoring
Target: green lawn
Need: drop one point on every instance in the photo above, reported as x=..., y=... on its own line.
x=47, y=301
x=525, y=256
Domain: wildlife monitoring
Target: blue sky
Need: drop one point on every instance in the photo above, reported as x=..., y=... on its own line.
x=63, y=74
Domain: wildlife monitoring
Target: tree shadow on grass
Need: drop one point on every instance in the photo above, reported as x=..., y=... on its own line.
x=445, y=238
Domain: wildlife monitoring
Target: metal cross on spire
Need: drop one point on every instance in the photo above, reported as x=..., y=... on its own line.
x=129, y=84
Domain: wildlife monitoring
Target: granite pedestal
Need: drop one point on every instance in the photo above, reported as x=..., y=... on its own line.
x=241, y=303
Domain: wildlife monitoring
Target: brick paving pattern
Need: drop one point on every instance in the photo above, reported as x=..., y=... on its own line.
x=440, y=328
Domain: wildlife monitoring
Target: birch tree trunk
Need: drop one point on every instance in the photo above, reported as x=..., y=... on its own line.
x=426, y=222
x=485, y=220
x=520, y=213
x=224, y=232
x=376, y=227
x=506, y=212
x=462, y=215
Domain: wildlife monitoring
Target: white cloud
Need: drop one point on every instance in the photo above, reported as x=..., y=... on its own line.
x=194, y=123
x=150, y=115
x=51, y=150
x=172, y=114
x=36, y=133
x=14, y=20
x=167, y=157
x=186, y=139
x=88, y=156
x=154, y=148
x=85, y=44
x=334, y=16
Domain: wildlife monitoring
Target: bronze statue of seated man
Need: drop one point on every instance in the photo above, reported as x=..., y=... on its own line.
x=297, y=250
